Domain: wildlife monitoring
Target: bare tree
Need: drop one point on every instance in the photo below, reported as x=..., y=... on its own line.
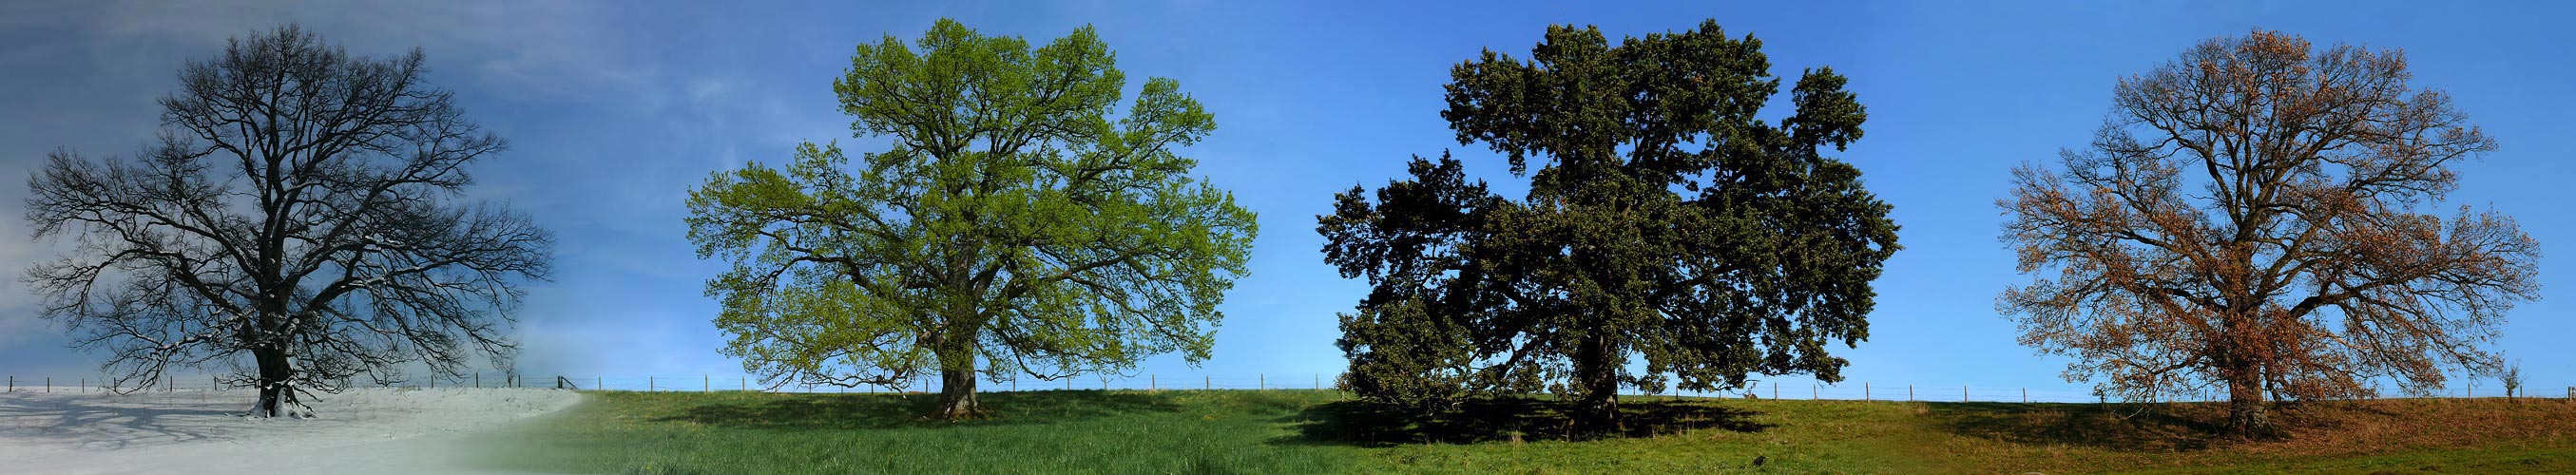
x=2512, y=377
x=2260, y=218
x=300, y=205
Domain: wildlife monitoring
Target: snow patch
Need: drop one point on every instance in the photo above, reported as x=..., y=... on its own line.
x=374, y=431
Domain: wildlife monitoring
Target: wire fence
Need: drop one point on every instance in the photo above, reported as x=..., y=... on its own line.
x=210, y=386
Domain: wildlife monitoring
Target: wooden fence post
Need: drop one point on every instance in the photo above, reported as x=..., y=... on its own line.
x=1210, y=384
x=648, y=384
x=2025, y=395
x=1963, y=393
x=1864, y=391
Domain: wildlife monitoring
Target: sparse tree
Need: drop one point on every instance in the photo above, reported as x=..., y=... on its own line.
x=1665, y=222
x=2512, y=378
x=301, y=205
x=2257, y=215
x=1013, y=226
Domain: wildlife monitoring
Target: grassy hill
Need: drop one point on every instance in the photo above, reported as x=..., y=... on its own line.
x=1315, y=432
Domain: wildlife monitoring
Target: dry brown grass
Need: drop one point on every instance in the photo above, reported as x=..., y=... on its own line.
x=2090, y=438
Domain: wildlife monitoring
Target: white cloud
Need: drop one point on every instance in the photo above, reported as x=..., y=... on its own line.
x=554, y=48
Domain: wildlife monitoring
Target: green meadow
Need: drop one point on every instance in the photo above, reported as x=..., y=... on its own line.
x=1299, y=431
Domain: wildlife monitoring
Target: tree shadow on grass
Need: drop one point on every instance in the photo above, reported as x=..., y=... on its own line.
x=1365, y=424
x=880, y=411
x=2121, y=427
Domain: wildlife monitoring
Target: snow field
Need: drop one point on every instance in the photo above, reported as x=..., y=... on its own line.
x=372, y=431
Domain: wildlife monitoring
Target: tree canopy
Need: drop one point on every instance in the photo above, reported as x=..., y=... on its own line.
x=301, y=205
x=1665, y=220
x=1012, y=225
x=2259, y=216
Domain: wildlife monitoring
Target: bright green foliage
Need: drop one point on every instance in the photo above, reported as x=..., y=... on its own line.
x=1664, y=221
x=1012, y=226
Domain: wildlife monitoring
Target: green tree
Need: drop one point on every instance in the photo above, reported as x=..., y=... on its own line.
x=1666, y=221
x=1012, y=226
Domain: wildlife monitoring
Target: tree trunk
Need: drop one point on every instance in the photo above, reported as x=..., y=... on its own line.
x=957, y=396
x=2245, y=406
x=1597, y=409
x=276, y=390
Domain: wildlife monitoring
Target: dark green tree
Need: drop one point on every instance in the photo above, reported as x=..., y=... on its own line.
x=1012, y=226
x=1664, y=221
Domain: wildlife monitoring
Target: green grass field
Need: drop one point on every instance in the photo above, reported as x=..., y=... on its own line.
x=1315, y=432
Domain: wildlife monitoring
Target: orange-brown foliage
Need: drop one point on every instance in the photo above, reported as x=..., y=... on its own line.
x=2258, y=218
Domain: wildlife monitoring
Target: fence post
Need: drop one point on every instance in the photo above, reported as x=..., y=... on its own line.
x=2025, y=395
x=1864, y=391
x=84, y=386
x=1319, y=381
x=745, y=381
x=648, y=384
x=478, y=380
x=1963, y=393
x=1210, y=382
x=1262, y=384
x=1153, y=382
x=1909, y=393
x=1815, y=391
x=49, y=385
x=1775, y=391
x=595, y=383
x=706, y=383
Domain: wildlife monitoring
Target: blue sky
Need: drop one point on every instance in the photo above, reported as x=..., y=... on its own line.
x=616, y=108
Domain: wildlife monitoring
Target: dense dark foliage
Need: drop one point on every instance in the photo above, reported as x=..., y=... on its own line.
x=1663, y=220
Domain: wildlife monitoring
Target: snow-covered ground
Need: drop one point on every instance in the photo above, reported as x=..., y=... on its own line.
x=363, y=431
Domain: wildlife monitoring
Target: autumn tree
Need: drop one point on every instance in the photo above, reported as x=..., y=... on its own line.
x=2258, y=216
x=1011, y=226
x=301, y=206
x=1664, y=221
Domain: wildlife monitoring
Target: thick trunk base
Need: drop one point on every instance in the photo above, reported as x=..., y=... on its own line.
x=276, y=388
x=1596, y=365
x=2248, y=416
x=2250, y=422
x=956, y=397
x=1598, y=415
